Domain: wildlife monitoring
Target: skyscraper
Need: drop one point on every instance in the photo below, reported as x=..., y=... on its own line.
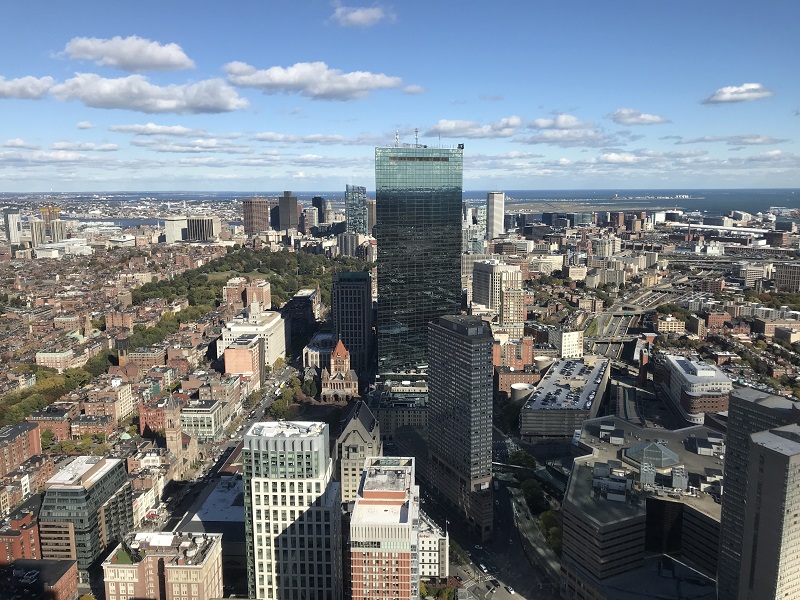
x=490, y=278
x=355, y=209
x=370, y=215
x=460, y=405
x=351, y=307
x=38, y=232
x=58, y=230
x=256, y=214
x=13, y=225
x=292, y=512
x=495, y=210
x=749, y=412
x=319, y=203
x=287, y=210
x=418, y=203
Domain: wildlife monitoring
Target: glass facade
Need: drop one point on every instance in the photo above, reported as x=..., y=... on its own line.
x=418, y=206
x=355, y=208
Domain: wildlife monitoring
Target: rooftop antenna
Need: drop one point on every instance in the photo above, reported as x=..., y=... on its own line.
x=396, y=138
x=416, y=136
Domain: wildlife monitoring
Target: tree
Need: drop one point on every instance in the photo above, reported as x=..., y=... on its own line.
x=68, y=446
x=522, y=459
x=85, y=445
x=534, y=495
x=310, y=388
x=47, y=437
x=287, y=396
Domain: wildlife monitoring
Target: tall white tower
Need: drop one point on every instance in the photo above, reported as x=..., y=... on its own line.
x=495, y=211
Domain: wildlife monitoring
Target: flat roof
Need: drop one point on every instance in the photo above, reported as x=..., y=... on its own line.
x=286, y=429
x=73, y=473
x=570, y=384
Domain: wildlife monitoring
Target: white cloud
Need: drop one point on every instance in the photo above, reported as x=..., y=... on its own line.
x=356, y=16
x=135, y=92
x=560, y=121
x=566, y=138
x=153, y=129
x=318, y=138
x=84, y=147
x=191, y=146
x=27, y=88
x=20, y=143
x=620, y=158
x=314, y=80
x=130, y=54
x=630, y=116
x=85, y=125
x=413, y=90
x=738, y=93
x=735, y=140
x=505, y=127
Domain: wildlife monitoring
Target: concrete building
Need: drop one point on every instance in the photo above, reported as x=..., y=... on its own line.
x=176, y=229
x=165, y=566
x=693, y=386
x=371, y=215
x=353, y=320
x=13, y=225
x=203, y=228
x=787, y=277
x=460, y=405
x=399, y=403
x=203, y=420
x=256, y=213
x=58, y=231
x=292, y=512
x=568, y=344
x=244, y=356
x=38, y=230
x=669, y=324
x=570, y=392
x=269, y=326
x=495, y=211
x=490, y=279
x=384, y=531
x=749, y=413
x=87, y=507
x=360, y=440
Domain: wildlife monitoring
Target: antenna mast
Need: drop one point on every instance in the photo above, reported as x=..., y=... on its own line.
x=396, y=138
x=416, y=136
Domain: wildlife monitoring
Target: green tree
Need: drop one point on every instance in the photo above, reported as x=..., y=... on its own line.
x=85, y=445
x=522, y=459
x=67, y=446
x=287, y=396
x=47, y=437
x=310, y=388
x=534, y=495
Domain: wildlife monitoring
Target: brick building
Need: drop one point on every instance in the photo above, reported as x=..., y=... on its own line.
x=17, y=444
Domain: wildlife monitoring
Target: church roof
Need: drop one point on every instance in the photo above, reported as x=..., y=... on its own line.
x=339, y=350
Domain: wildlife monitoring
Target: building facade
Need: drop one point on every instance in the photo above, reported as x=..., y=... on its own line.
x=256, y=212
x=418, y=204
x=289, y=216
x=495, y=211
x=360, y=439
x=292, y=512
x=355, y=207
x=351, y=309
x=460, y=405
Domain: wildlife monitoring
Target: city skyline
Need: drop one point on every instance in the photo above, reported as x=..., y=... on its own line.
x=542, y=96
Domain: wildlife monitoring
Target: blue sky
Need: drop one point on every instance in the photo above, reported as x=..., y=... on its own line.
x=260, y=96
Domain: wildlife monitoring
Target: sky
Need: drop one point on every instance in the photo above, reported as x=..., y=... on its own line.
x=266, y=95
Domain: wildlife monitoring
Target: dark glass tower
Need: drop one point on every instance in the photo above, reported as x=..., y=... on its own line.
x=418, y=206
x=355, y=207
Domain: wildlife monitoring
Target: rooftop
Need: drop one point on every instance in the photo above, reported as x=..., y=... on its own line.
x=287, y=429
x=80, y=473
x=180, y=548
x=570, y=384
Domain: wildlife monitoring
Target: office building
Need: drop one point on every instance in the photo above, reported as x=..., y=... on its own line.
x=360, y=439
x=460, y=406
x=165, y=566
x=310, y=219
x=203, y=228
x=693, y=386
x=256, y=212
x=384, y=532
x=351, y=310
x=371, y=215
x=495, y=211
x=418, y=201
x=49, y=213
x=38, y=232
x=568, y=344
x=269, y=326
x=320, y=204
x=13, y=225
x=751, y=412
x=787, y=277
x=355, y=208
x=490, y=279
x=288, y=214
x=176, y=229
x=292, y=512
x=58, y=230
x=87, y=507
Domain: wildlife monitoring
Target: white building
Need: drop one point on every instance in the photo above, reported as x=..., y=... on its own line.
x=292, y=512
x=175, y=229
x=568, y=343
x=495, y=211
x=268, y=325
x=490, y=279
x=694, y=387
x=434, y=549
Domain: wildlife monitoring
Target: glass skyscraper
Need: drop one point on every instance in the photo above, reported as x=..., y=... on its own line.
x=418, y=206
x=355, y=209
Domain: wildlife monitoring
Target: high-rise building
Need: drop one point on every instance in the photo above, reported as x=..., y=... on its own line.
x=175, y=229
x=495, y=210
x=355, y=208
x=58, y=230
x=287, y=211
x=292, y=512
x=490, y=279
x=460, y=404
x=351, y=308
x=49, y=213
x=360, y=439
x=165, y=566
x=319, y=203
x=749, y=412
x=38, y=232
x=13, y=225
x=87, y=507
x=787, y=277
x=256, y=213
x=310, y=219
x=203, y=228
x=384, y=532
x=370, y=215
x=418, y=201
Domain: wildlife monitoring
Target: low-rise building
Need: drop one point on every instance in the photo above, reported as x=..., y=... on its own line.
x=669, y=324
x=202, y=419
x=693, y=386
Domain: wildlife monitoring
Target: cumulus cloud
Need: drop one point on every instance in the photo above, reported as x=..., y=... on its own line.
x=314, y=80
x=355, y=16
x=199, y=145
x=130, y=53
x=83, y=147
x=26, y=88
x=153, y=129
x=505, y=127
x=20, y=143
x=85, y=125
x=735, y=140
x=135, y=92
x=560, y=121
x=630, y=116
x=567, y=138
x=738, y=93
x=414, y=90
x=319, y=139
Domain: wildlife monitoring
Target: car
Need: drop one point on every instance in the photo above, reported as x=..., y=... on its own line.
x=483, y=568
x=478, y=547
x=495, y=583
x=510, y=589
